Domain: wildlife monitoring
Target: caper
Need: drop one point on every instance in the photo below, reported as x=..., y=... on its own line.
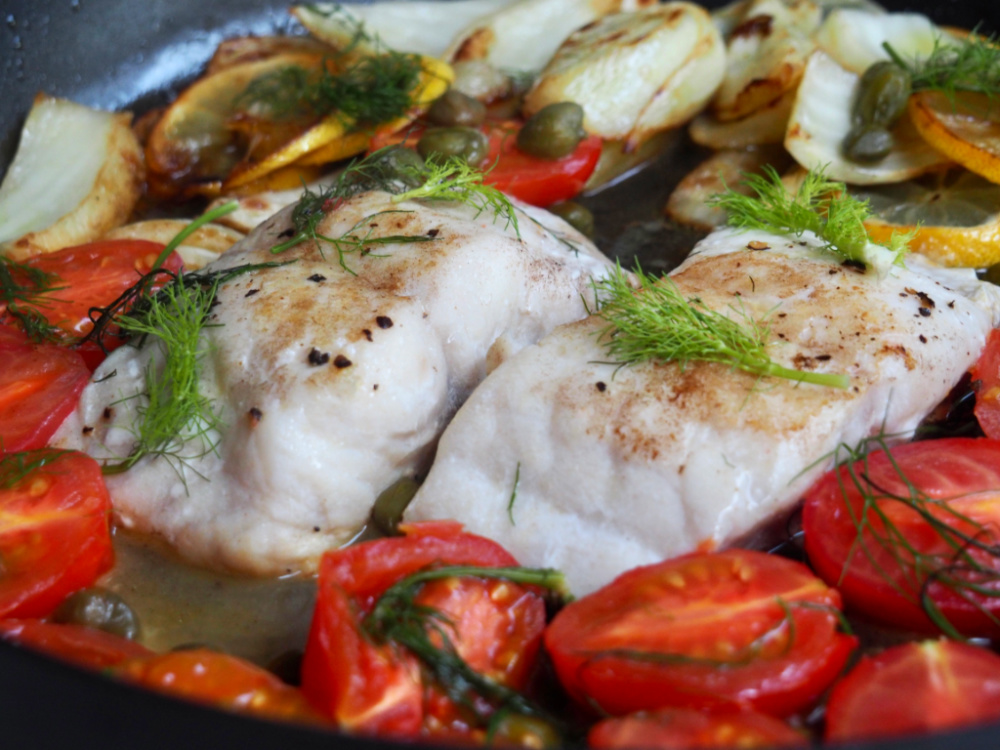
x=867, y=144
x=466, y=143
x=525, y=731
x=400, y=163
x=553, y=132
x=388, y=509
x=882, y=94
x=99, y=609
x=577, y=216
x=455, y=108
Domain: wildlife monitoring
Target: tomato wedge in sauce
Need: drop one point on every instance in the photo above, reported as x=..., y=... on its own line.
x=377, y=688
x=917, y=687
x=54, y=530
x=704, y=630
x=689, y=729
x=83, y=646
x=913, y=531
x=987, y=372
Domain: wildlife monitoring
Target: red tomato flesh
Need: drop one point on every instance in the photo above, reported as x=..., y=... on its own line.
x=917, y=687
x=987, y=372
x=882, y=580
x=378, y=689
x=85, y=647
x=704, y=630
x=54, y=532
x=687, y=729
x=219, y=680
x=40, y=385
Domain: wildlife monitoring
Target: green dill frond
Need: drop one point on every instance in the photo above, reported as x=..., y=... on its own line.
x=971, y=64
x=453, y=179
x=24, y=292
x=513, y=494
x=397, y=619
x=14, y=467
x=656, y=322
x=820, y=206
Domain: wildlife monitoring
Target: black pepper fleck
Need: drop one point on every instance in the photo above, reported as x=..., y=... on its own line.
x=433, y=233
x=340, y=361
x=602, y=387
x=924, y=311
x=923, y=339
x=316, y=357
x=383, y=321
x=251, y=293
x=317, y=277
x=367, y=334
x=108, y=412
x=255, y=414
x=316, y=529
x=87, y=430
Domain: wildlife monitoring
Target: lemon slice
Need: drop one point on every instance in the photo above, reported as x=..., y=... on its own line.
x=965, y=128
x=956, y=215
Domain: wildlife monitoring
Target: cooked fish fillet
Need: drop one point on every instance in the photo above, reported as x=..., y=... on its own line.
x=572, y=462
x=331, y=384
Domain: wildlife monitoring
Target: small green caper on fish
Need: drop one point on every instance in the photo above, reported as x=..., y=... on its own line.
x=576, y=215
x=466, y=143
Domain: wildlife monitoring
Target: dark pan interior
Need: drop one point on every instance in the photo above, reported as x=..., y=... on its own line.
x=127, y=54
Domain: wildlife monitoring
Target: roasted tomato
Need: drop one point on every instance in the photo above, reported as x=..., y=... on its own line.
x=219, y=680
x=916, y=687
x=913, y=534
x=987, y=372
x=687, y=729
x=373, y=687
x=704, y=630
x=85, y=647
x=40, y=385
x=54, y=529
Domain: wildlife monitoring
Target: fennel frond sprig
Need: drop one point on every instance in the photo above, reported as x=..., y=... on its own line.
x=14, y=467
x=656, y=322
x=398, y=619
x=971, y=65
x=819, y=205
x=970, y=564
x=24, y=292
x=453, y=179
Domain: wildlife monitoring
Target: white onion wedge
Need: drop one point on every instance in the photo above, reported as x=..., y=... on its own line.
x=854, y=37
x=77, y=173
x=635, y=74
x=766, y=125
x=821, y=118
x=425, y=27
x=200, y=248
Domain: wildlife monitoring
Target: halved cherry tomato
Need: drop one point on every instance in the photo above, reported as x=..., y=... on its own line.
x=540, y=182
x=370, y=688
x=687, y=729
x=987, y=372
x=916, y=687
x=885, y=570
x=85, y=647
x=54, y=529
x=40, y=385
x=704, y=630
x=219, y=680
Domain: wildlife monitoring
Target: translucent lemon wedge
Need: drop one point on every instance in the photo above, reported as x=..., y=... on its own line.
x=965, y=128
x=956, y=215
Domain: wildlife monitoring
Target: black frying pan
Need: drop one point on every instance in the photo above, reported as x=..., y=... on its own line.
x=122, y=53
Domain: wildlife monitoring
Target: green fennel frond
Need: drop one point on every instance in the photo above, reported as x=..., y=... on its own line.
x=24, y=292
x=15, y=467
x=820, y=206
x=971, y=64
x=656, y=322
x=399, y=620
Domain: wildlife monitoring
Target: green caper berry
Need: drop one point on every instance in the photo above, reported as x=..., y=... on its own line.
x=454, y=108
x=99, y=609
x=867, y=144
x=466, y=143
x=553, y=132
x=400, y=163
x=577, y=216
x=388, y=509
x=882, y=95
x=525, y=731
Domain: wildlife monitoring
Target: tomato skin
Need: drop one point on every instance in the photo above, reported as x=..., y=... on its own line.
x=218, y=680
x=987, y=372
x=54, y=535
x=916, y=687
x=85, y=647
x=378, y=689
x=40, y=384
x=687, y=729
x=710, y=608
x=943, y=469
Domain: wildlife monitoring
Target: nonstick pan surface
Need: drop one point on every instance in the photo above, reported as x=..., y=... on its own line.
x=118, y=54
